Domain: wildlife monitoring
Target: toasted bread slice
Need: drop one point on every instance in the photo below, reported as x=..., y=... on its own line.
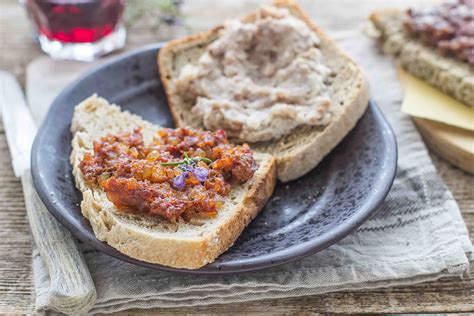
x=447, y=74
x=147, y=238
x=300, y=151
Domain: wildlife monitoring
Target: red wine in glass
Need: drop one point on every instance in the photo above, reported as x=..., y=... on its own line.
x=77, y=29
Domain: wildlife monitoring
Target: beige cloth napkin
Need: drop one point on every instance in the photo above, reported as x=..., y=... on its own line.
x=416, y=235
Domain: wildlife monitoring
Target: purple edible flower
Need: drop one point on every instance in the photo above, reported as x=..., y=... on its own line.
x=179, y=182
x=199, y=172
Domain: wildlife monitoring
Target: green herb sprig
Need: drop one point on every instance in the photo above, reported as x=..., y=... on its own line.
x=155, y=13
x=187, y=161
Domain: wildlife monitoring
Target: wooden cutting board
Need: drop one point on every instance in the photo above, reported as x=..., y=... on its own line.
x=454, y=144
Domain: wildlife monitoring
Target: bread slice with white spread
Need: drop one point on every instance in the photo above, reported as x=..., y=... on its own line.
x=306, y=145
x=149, y=238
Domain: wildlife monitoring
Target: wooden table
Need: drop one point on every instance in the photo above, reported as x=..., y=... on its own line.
x=16, y=287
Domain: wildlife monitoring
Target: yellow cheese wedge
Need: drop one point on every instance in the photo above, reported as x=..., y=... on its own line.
x=424, y=101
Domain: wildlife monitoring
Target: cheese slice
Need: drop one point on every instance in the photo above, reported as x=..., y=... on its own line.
x=424, y=101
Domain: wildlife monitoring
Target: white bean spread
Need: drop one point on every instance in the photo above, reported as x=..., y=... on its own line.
x=260, y=80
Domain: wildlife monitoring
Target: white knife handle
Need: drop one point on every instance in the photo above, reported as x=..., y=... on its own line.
x=72, y=289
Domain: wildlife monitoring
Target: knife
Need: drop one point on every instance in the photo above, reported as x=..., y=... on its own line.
x=71, y=289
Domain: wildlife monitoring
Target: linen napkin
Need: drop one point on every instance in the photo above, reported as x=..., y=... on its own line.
x=417, y=234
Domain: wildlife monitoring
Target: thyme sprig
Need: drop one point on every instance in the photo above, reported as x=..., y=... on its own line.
x=187, y=161
x=188, y=167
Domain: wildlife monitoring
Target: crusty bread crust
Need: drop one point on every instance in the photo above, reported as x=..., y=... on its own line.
x=149, y=239
x=447, y=74
x=304, y=148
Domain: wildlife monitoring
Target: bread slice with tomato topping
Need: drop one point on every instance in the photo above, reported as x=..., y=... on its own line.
x=305, y=146
x=188, y=244
x=450, y=75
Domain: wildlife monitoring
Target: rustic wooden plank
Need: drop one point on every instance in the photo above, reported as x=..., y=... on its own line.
x=16, y=288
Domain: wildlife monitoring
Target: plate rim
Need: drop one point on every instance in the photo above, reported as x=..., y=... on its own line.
x=274, y=259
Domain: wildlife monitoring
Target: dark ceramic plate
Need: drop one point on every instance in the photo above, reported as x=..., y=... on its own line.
x=303, y=217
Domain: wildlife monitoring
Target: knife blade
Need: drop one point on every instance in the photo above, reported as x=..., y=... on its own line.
x=18, y=123
x=71, y=287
